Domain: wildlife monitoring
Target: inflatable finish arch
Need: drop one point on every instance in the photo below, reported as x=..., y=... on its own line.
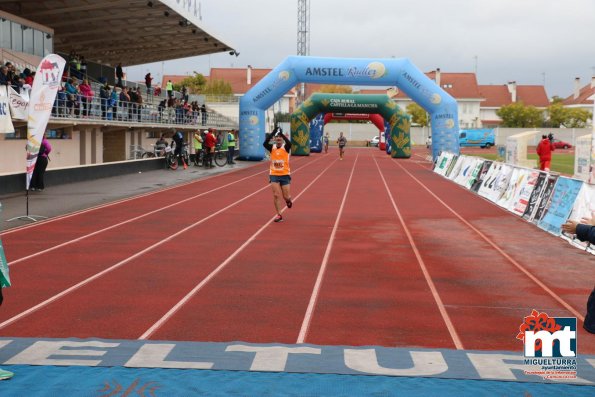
x=351, y=71
x=374, y=118
x=397, y=120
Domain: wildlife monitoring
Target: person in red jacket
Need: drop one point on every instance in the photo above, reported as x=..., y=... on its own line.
x=544, y=151
x=210, y=142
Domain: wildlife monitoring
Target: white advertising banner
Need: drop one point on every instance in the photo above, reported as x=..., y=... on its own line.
x=45, y=87
x=6, y=126
x=19, y=104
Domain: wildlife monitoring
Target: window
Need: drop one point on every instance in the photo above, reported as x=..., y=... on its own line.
x=27, y=40
x=38, y=43
x=17, y=37
x=19, y=133
x=5, y=41
x=48, y=44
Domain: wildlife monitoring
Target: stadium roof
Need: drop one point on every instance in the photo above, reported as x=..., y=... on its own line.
x=132, y=32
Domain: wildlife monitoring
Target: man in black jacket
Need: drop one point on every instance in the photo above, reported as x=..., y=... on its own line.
x=585, y=232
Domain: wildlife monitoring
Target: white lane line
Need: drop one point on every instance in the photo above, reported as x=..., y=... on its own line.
x=147, y=334
x=127, y=221
x=443, y=312
x=500, y=250
x=98, y=207
x=123, y=262
x=316, y=291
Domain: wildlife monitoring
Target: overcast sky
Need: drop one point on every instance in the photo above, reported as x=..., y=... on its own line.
x=527, y=41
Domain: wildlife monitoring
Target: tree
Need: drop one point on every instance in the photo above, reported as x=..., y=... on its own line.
x=418, y=114
x=217, y=87
x=336, y=89
x=195, y=84
x=517, y=115
x=560, y=116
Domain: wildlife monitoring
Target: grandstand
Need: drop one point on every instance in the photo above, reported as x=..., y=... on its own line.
x=106, y=33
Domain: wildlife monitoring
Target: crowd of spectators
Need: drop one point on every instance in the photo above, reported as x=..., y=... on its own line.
x=20, y=81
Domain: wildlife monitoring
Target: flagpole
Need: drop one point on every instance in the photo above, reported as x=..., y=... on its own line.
x=27, y=216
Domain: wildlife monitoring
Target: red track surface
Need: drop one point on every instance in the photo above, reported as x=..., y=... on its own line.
x=374, y=252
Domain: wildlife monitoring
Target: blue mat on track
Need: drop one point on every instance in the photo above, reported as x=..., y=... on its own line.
x=33, y=381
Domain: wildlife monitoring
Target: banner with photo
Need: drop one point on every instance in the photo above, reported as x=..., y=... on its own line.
x=45, y=87
x=456, y=168
x=546, y=197
x=561, y=203
x=522, y=198
x=489, y=181
x=481, y=175
x=443, y=163
x=501, y=182
x=451, y=165
x=6, y=126
x=19, y=104
x=535, y=196
x=466, y=169
x=4, y=273
x=513, y=184
x=474, y=174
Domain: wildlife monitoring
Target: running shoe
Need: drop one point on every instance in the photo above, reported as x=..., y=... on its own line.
x=289, y=203
x=5, y=374
x=278, y=218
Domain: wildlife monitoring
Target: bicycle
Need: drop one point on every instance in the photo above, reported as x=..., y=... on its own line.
x=158, y=151
x=199, y=158
x=220, y=156
x=172, y=160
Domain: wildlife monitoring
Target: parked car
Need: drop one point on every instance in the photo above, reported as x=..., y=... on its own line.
x=429, y=142
x=375, y=141
x=558, y=144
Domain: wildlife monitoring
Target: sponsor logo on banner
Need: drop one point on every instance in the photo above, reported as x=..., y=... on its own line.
x=19, y=105
x=550, y=343
x=282, y=77
x=42, y=105
x=6, y=126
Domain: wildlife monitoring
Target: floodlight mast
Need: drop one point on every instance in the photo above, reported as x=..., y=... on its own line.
x=303, y=37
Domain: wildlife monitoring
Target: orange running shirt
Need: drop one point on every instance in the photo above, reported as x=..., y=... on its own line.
x=279, y=161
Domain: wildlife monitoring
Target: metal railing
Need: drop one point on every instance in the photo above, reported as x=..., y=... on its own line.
x=100, y=109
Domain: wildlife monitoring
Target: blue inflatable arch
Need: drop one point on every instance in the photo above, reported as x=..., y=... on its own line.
x=349, y=71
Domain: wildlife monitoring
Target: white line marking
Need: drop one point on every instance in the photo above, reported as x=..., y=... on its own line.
x=127, y=221
x=316, y=291
x=500, y=250
x=147, y=334
x=83, y=211
x=443, y=312
x=123, y=262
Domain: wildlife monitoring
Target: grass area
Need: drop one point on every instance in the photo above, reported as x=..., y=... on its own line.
x=561, y=162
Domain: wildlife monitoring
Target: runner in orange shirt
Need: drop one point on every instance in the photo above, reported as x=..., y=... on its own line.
x=279, y=175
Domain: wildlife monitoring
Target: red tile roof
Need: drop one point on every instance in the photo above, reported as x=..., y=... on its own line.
x=498, y=95
x=459, y=85
x=584, y=93
x=238, y=78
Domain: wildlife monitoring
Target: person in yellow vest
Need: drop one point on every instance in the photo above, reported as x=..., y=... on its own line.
x=279, y=175
x=170, y=89
x=231, y=146
x=197, y=140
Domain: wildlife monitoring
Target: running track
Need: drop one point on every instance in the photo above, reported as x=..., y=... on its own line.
x=374, y=252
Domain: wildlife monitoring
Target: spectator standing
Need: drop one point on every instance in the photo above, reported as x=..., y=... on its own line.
x=148, y=81
x=139, y=103
x=83, y=64
x=231, y=146
x=133, y=105
x=119, y=75
x=544, y=151
x=104, y=97
x=184, y=94
x=114, y=102
x=86, y=97
x=203, y=111
x=4, y=79
x=40, y=165
x=210, y=142
x=197, y=141
x=124, y=100
x=72, y=94
x=170, y=88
